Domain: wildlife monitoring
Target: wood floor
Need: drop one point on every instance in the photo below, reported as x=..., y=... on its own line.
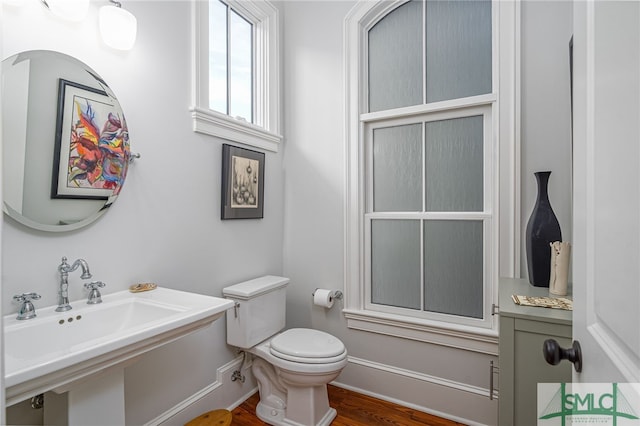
x=354, y=409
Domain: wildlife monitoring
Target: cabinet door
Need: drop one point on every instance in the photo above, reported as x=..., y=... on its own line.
x=530, y=367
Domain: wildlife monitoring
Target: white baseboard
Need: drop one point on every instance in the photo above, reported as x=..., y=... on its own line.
x=421, y=376
x=444, y=398
x=221, y=394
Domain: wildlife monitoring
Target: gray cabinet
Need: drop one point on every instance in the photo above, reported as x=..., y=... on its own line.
x=523, y=329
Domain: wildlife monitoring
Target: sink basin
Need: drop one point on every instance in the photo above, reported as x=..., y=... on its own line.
x=56, y=349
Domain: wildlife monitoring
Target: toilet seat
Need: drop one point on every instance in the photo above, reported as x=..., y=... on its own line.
x=307, y=346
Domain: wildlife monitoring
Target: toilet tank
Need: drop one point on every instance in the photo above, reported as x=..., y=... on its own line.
x=259, y=312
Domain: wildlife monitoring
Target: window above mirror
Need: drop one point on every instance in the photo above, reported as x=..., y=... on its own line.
x=236, y=94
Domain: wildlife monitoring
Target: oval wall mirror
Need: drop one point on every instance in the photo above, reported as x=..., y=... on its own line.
x=65, y=142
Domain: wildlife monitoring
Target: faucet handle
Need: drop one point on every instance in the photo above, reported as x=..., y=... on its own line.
x=27, y=310
x=94, y=294
x=93, y=285
x=26, y=297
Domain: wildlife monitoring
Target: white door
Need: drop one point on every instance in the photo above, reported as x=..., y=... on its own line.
x=606, y=208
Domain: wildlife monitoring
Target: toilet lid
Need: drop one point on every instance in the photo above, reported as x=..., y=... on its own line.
x=307, y=345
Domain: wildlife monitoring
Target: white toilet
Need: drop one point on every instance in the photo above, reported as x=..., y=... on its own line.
x=292, y=367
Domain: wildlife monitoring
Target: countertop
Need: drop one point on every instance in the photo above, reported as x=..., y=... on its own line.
x=518, y=286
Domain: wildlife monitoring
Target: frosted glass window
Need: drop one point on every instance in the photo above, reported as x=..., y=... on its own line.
x=230, y=62
x=454, y=164
x=458, y=49
x=397, y=168
x=218, y=56
x=240, y=66
x=428, y=177
x=395, y=260
x=453, y=267
x=395, y=59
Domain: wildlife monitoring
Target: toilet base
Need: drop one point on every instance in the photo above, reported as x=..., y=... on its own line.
x=275, y=416
x=292, y=398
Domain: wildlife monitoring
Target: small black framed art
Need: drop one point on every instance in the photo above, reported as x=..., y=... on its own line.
x=242, y=183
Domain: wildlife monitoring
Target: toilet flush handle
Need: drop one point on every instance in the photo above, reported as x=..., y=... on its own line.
x=236, y=306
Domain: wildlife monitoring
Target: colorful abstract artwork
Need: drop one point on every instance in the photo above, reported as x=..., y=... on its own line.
x=242, y=183
x=92, y=144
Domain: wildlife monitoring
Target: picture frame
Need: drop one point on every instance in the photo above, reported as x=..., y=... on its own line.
x=91, y=152
x=242, y=183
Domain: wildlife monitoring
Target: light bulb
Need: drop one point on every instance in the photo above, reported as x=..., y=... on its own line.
x=118, y=27
x=71, y=10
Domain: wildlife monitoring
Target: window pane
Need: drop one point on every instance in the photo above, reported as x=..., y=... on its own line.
x=453, y=267
x=395, y=59
x=397, y=168
x=454, y=164
x=218, y=56
x=240, y=66
x=458, y=38
x=395, y=263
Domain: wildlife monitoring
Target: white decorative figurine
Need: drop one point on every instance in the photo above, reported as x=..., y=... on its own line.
x=559, y=274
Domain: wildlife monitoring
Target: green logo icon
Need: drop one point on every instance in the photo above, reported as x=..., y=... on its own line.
x=586, y=402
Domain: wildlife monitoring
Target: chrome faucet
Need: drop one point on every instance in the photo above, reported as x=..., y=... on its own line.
x=63, y=270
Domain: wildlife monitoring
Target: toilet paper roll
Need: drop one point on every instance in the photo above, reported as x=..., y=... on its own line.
x=323, y=297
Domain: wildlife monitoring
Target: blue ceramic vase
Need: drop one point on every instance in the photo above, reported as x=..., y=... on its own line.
x=542, y=229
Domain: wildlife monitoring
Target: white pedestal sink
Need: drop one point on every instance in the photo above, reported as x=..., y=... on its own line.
x=66, y=352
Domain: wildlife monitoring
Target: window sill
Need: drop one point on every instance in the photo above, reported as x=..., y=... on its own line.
x=215, y=124
x=460, y=337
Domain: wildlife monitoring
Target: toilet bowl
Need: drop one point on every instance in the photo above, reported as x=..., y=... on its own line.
x=292, y=367
x=302, y=373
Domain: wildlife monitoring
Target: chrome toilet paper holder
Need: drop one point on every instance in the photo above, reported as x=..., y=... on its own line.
x=336, y=294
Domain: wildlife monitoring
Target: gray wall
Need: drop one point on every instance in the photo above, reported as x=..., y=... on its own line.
x=546, y=110
x=165, y=226
x=314, y=159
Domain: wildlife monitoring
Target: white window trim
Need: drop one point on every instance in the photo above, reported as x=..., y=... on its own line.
x=486, y=216
x=266, y=132
x=505, y=238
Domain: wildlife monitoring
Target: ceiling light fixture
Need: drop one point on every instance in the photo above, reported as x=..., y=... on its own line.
x=118, y=26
